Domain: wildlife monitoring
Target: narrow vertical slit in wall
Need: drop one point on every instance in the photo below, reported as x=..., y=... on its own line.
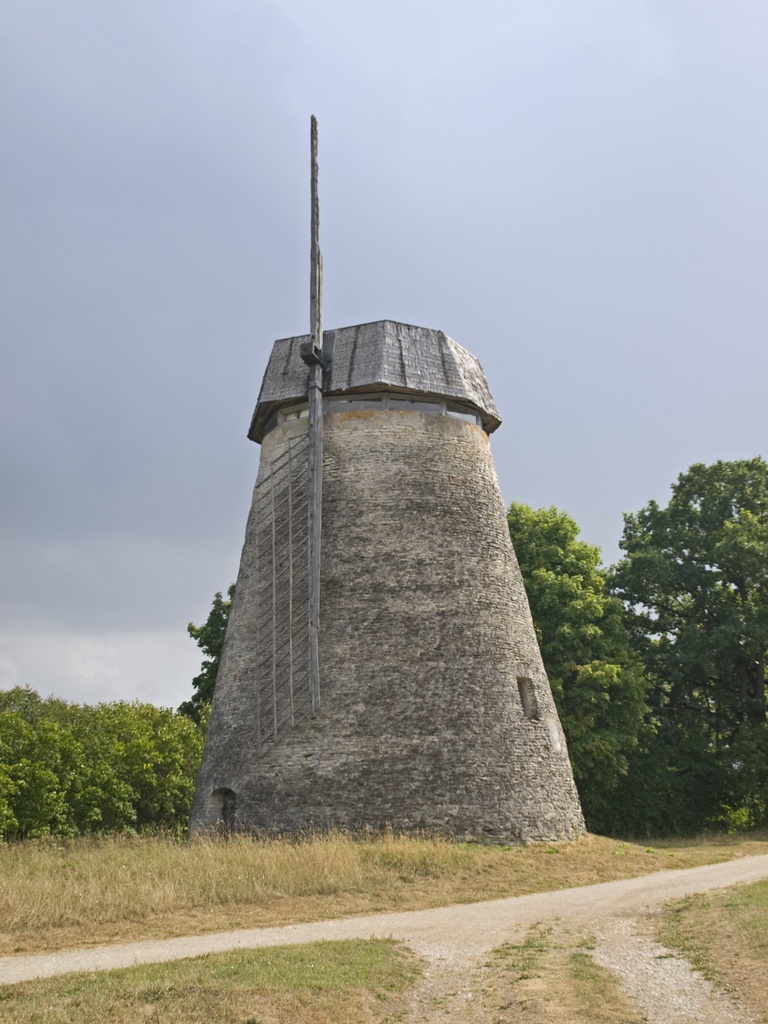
x=528, y=697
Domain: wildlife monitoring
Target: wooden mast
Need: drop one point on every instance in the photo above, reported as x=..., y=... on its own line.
x=312, y=354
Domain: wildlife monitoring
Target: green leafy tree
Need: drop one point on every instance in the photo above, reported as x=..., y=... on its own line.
x=597, y=679
x=148, y=759
x=33, y=803
x=210, y=638
x=68, y=768
x=694, y=580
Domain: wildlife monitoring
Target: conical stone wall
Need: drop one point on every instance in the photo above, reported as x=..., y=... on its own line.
x=435, y=713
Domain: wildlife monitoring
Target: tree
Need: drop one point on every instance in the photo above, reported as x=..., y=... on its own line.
x=694, y=580
x=147, y=760
x=33, y=771
x=210, y=638
x=597, y=679
x=69, y=768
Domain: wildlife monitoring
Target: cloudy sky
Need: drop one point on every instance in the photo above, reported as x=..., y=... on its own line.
x=575, y=190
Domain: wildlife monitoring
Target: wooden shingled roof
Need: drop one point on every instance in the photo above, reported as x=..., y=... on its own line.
x=380, y=356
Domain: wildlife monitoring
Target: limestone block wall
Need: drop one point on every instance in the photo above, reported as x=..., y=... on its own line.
x=435, y=708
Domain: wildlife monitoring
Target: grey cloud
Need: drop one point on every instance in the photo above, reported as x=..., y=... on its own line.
x=574, y=191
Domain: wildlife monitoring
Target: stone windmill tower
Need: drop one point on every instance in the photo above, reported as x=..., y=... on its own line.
x=380, y=665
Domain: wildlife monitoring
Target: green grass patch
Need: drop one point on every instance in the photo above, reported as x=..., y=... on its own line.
x=551, y=976
x=318, y=982
x=522, y=960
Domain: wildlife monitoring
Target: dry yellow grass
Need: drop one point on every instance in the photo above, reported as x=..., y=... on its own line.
x=89, y=891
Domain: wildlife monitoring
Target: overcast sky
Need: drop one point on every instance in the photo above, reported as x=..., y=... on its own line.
x=574, y=190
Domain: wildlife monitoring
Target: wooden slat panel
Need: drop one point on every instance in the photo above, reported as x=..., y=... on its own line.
x=283, y=687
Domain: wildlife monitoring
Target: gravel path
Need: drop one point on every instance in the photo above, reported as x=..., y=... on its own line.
x=663, y=985
x=452, y=939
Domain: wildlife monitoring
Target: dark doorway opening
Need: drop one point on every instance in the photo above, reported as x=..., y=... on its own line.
x=226, y=808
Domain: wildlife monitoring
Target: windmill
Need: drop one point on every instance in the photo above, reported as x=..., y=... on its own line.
x=380, y=667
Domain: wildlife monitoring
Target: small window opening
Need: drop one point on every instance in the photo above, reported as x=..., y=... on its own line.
x=528, y=697
x=366, y=402
x=462, y=413
x=226, y=807
x=294, y=413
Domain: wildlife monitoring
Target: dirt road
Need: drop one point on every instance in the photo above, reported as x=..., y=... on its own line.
x=451, y=938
